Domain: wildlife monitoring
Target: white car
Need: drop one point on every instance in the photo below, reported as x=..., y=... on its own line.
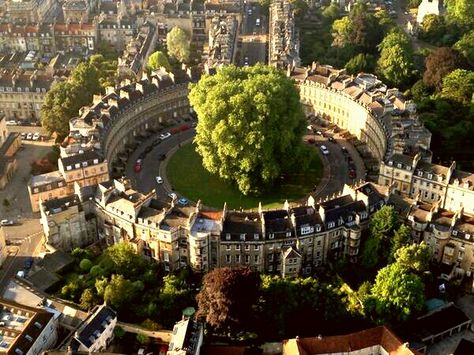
x=29, y=136
x=165, y=135
x=36, y=136
x=11, y=123
x=6, y=222
x=172, y=195
x=324, y=150
x=159, y=180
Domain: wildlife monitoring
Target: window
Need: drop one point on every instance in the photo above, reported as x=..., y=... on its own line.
x=247, y=259
x=319, y=243
x=237, y=258
x=288, y=234
x=331, y=224
x=227, y=236
x=227, y=247
x=430, y=176
x=247, y=247
x=318, y=254
x=399, y=165
x=255, y=259
x=237, y=247
x=256, y=247
x=420, y=173
x=227, y=258
x=255, y=236
x=271, y=236
x=270, y=257
x=318, y=228
x=270, y=246
x=242, y=236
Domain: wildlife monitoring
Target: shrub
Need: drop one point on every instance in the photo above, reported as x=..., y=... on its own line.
x=85, y=265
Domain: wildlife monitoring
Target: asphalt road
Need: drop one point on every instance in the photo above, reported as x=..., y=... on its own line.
x=254, y=50
x=31, y=246
x=144, y=181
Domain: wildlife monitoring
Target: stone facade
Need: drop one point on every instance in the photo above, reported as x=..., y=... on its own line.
x=430, y=183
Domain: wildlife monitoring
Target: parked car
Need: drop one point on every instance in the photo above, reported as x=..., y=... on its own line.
x=165, y=135
x=29, y=136
x=257, y=22
x=319, y=133
x=6, y=222
x=246, y=61
x=159, y=180
x=138, y=166
x=36, y=136
x=249, y=11
x=11, y=123
x=23, y=135
x=324, y=150
x=172, y=195
x=309, y=128
x=183, y=201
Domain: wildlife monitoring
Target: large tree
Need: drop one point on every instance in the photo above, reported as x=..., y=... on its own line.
x=250, y=125
x=461, y=11
x=396, y=60
x=227, y=298
x=432, y=28
x=458, y=86
x=415, y=257
x=400, y=238
x=465, y=45
x=397, y=294
x=378, y=245
x=178, y=44
x=441, y=62
x=158, y=59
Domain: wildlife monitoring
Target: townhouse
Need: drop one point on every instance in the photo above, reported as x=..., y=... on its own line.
x=414, y=178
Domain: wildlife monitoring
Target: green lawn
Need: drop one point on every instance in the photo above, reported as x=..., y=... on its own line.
x=188, y=177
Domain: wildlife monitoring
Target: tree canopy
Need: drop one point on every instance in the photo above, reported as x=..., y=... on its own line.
x=441, y=62
x=415, y=257
x=465, y=45
x=226, y=298
x=458, y=86
x=397, y=294
x=396, y=60
x=461, y=11
x=178, y=44
x=157, y=60
x=250, y=125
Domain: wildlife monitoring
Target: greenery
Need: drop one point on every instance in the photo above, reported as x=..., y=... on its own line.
x=458, y=86
x=461, y=12
x=178, y=44
x=132, y=285
x=65, y=98
x=414, y=257
x=158, y=59
x=250, y=126
x=377, y=247
x=395, y=64
x=226, y=298
x=185, y=172
x=396, y=294
x=85, y=265
x=439, y=63
x=465, y=45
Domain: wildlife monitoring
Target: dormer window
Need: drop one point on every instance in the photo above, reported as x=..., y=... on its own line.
x=467, y=236
x=390, y=163
x=331, y=224
x=242, y=236
x=77, y=166
x=69, y=167
x=420, y=173
x=430, y=176
x=84, y=164
x=408, y=168
x=318, y=228
x=288, y=234
x=399, y=166
x=271, y=236
x=363, y=214
x=96, y=161
x=349, y=218
x=227, y=236
x=455, y=232
x=255, y=236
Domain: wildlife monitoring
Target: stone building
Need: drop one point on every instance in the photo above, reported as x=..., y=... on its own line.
x=29, y=11
x=76, y=11
x=283, y=40
x=222, y=40
x=414, y=178
x=9, y=145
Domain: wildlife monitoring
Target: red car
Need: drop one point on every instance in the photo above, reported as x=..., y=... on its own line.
x=138, y=166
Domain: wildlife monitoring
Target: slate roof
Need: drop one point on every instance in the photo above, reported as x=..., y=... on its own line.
x=88, y=157
x=95, y=324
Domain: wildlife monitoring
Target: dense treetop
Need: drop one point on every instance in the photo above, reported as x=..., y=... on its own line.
x=250, y=125
x=178, y=44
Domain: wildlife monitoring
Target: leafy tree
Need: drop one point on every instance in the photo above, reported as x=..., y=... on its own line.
x=459, y=86
x=397, y=294
x=250, y=125
x=158, y=59
x=121, y=258
x=360, y=63
x=119, y=332
x=226, y=298
x=377, y=246
x=96, y=271
x=400, y=239
x=120, y=291
x=73, y=290
x=106, y=69
x=385, y=22
x=174, y=297
x=88, y=299
x=300, y=7
x=465, y=45
x=432, y=28
x=414, y=3
x=85, y=265
x=461, y=11
x=419, y=91
x=151, y=325
x=441, y=62
x=395, y=63
x=342, y=31
x=177, y=42
x=331, y=12
x=80, y=254
x=415, y=257
x=100, y=285
x=86, y=78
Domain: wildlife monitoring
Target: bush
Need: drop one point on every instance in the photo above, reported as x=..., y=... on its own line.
x=96, y=271
x=86, y=265
x=119, y=332
x=143, y=339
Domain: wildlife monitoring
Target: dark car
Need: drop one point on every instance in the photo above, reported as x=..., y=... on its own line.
x=331, y=139
x=28, y=263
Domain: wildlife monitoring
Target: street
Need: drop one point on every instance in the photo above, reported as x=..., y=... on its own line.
x=254, y=36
